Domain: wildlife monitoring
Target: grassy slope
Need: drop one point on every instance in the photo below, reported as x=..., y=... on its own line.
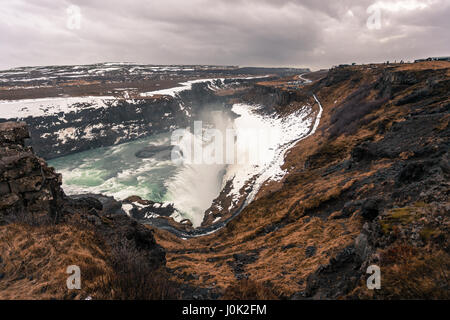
x=279, y=230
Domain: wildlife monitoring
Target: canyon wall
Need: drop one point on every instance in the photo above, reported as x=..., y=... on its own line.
x=88, y=126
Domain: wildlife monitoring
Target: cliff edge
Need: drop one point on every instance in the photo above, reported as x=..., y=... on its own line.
x=43, y=232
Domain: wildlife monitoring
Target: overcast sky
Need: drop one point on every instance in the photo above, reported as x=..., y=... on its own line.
x=310, y=33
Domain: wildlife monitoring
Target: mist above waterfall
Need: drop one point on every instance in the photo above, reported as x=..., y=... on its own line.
x=227, y=146
x=198, y=183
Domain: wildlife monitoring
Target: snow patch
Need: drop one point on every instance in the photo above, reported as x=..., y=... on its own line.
x=284, y=133
x=12, y=109
x=127, y=208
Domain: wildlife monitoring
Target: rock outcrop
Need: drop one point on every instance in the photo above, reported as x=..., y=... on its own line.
x=28, y=188
x=31, y=196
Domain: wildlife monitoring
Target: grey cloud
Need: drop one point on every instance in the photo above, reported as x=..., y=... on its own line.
x=245, y=32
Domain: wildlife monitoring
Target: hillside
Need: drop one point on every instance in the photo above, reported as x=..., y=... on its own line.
x=370, y=187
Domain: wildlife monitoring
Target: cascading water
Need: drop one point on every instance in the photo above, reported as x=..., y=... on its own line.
x=134, y=168
x=145, y=168
x=195, y=186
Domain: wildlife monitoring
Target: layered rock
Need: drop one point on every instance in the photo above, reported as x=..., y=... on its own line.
x=27, y=186
x=114, y=121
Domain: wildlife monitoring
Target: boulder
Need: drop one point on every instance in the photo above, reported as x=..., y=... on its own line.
x=13, y=133
x=411, y=172
x=370, y=208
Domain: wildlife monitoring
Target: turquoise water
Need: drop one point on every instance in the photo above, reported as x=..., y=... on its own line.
x=116, y=171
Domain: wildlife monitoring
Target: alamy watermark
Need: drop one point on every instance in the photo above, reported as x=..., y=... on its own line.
x=73, y=17
x=374, y=20
x=374, y=281
x=74, y=280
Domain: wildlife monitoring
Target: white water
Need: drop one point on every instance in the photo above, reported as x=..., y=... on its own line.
x=116, y=171
x=279, y=135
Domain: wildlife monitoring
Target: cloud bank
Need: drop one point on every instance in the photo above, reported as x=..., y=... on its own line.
x=309, y=33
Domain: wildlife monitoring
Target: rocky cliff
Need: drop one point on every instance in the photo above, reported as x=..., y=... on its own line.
x=369, y=188
x=27, y=185
x=42, y=232
x=121, y=120
x=96, y=122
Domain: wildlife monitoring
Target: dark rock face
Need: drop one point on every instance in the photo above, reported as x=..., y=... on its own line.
x=27, y=185
x=269, y=97
x=334, y=279
x=107, y=205
x=159, y=153
x=240, y=260
x=86, y=202
x=158, y=215
x=411, y=172
x=371, y=208
x=13, y=133
x=140, y=237
x=364, y=151
x=339, y=74
x=144, y=209
x=445, y=163
x=62, y=134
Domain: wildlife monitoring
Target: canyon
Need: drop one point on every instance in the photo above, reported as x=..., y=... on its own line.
x=359, y=177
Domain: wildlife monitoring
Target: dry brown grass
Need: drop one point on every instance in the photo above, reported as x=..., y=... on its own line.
x=411, y=273
x=35, y=260
x=279, y=234
x=247, y=289
x=425, y=65
x=282, y=259
x=131, y=278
